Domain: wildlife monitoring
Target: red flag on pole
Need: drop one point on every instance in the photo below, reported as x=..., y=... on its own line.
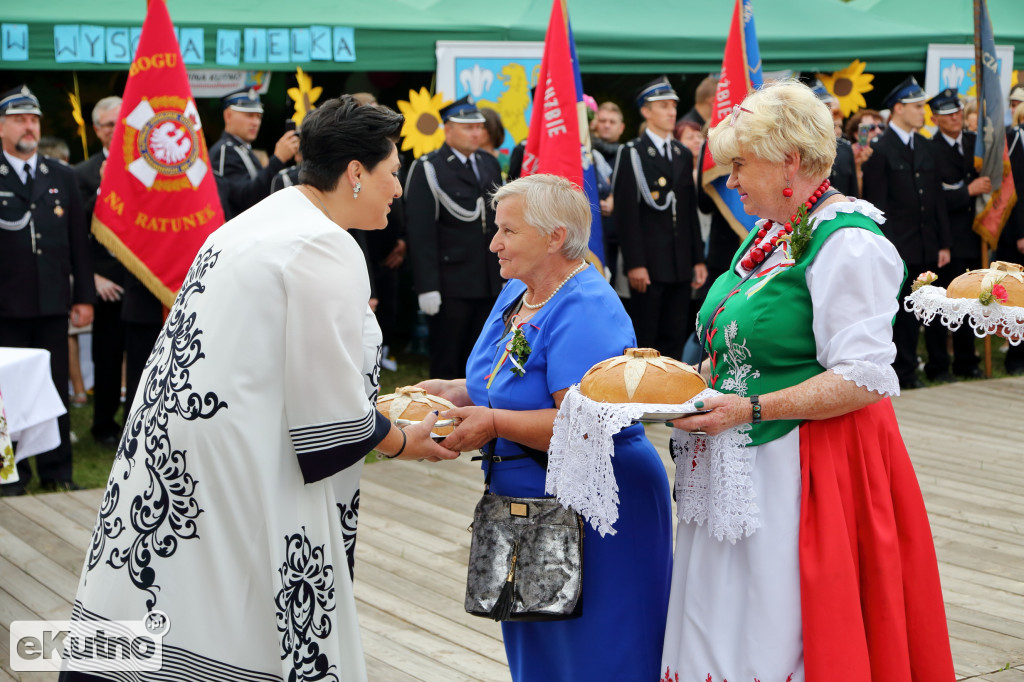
x=554, y=142
x=158, y=199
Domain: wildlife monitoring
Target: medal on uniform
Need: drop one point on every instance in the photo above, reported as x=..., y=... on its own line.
x=4, y=170
x=58, y=210
x=650, y=151
x=662, y=182
x=655, y=195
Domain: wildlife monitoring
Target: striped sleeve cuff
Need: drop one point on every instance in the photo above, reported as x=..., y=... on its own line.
x=325, y=449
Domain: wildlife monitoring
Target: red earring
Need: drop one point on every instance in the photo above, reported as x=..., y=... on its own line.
x=787, y=192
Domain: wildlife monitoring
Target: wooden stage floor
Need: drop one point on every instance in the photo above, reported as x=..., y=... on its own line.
x=413, y=543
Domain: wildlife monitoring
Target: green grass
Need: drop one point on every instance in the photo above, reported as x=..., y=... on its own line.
x=92, y=460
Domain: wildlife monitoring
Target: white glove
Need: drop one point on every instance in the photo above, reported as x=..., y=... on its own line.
x=430, y=302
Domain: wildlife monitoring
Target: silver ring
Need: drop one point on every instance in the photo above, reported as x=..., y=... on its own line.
x=698, y=433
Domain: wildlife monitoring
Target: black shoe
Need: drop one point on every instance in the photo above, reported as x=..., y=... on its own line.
x=972, y=373
x=912, y=382
x=109, y=440
x=59, y=486
x=15, y=489
x=942, y=378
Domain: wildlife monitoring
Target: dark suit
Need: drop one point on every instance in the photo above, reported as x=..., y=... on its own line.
x=44, y=242
x=956, y=171
x=241, y=181
x=1013, y=232
x=452, y=256
x=905, y=184
x=844, y=169
x=107, y=328
x=667, y=243
x=515, y=161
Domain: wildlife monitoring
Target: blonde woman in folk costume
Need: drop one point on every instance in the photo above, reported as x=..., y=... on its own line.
x=840, y=581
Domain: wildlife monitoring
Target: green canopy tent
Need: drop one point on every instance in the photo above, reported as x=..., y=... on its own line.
x=681, y=36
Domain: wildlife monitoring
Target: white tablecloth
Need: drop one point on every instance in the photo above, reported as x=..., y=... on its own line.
x=30, y=400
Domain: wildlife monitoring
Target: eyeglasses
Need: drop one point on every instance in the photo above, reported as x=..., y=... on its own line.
x=105, y=125
x=877, y=126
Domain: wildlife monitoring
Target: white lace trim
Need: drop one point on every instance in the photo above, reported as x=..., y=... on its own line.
x=580, y=470
x=929, y=301
x=714, y=484
x=881, y=379
x=865, y=208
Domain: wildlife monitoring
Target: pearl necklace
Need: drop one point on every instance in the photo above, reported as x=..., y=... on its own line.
x=534, y=306
x=759, y=251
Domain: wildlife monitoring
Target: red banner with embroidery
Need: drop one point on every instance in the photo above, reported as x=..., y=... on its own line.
x=554, y=142
x=158, y=200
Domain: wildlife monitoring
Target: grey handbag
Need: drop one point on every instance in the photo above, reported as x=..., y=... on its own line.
x=526, y=560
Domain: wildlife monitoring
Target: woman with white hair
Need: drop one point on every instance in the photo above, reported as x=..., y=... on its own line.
x=839, y=582
x=566, y=317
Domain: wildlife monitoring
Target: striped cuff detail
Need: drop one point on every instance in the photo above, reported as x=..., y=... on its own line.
x=326, y=449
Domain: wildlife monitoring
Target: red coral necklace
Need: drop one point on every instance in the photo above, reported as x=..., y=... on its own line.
x=761, y=248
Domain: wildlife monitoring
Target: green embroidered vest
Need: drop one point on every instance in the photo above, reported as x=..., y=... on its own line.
x=762, y=340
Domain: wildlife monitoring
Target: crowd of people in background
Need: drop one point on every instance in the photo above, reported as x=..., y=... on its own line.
x=665, y=237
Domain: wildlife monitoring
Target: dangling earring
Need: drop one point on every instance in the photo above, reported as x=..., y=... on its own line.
x=356, y=189
x=788, y=191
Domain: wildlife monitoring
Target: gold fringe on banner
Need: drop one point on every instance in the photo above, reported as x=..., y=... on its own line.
x=132, y=262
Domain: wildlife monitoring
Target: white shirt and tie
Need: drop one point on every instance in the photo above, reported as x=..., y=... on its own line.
x=908, y=138
x=468, y=161
x=25, y=168
x=662, y=143
x=957, y=142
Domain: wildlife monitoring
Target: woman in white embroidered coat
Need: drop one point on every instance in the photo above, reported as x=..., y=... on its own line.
x=839, y=582
x=233, y=499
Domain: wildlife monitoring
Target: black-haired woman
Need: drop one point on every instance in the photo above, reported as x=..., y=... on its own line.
x=233, y=500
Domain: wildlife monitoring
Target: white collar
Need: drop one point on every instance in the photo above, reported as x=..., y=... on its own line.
x=954, y=141
x=659, y=142
x=106, y=153
x=459, y=155
x=904, y=135
x=19, y=164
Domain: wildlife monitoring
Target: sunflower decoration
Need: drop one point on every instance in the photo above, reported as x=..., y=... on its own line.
x=422, y=131
x=304, y=96
x=849, y=86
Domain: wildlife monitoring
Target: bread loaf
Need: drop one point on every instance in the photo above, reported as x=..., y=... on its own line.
x=413, y=403
x=979, y=284
x=642, y=375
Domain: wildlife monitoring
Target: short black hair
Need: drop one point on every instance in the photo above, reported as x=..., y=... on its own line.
x=340, y=131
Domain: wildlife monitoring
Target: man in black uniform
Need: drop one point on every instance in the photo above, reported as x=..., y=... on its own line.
x=450, y=225
x=1011, y=239
x=43, y=242
x=844, y=170
x=656, y=218
x=241, y=180
x=902, y=179
x=954, y=151
x=107, y=329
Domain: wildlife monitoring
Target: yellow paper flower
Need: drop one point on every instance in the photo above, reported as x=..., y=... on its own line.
x=422, y=131
x=304, y=96
x=849, y=86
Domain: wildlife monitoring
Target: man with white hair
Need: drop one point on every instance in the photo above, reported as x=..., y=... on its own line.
x=109, y=274
x=43, y=241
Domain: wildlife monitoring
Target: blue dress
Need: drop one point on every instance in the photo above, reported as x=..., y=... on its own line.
x=626, y=576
